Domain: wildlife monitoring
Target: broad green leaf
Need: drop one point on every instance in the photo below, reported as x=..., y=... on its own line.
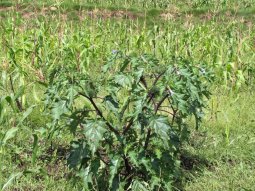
x=193, y=91
x=94, y=131
x=161, y=127
x=58, y=109
x=95, y=165
x=158, y=153
x=79, y=154
x=86, y=176
x=138, y=74
x=168, y=186
x=110, y=62
x=124, y=107
x=133, y=158
x=114, y=166
x=146, y=163
x=123, y=80
x=155, y=182
x=111, y=104
x=71, y=94
x=139, y=186
x=75, y=119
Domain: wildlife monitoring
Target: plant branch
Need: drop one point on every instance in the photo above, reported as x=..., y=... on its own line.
x=127, y=127
x=127, y=165
x=128, y=169
x=174, y=111
x=165, y=111
x=157, y=78
x=161, y=102
x=142, y=79
x=151, y=95
x=99, y=112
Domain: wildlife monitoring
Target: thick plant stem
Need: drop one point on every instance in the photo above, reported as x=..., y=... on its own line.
x=128, y=171
x=99, y=112
x=160, y=103
x=101, y=115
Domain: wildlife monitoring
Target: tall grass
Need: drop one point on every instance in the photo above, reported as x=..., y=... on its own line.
x=36, y=46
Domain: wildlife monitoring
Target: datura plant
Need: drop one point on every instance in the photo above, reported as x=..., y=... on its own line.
x=128, y=121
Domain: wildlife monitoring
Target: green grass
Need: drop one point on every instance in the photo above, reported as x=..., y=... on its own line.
x=227, y=144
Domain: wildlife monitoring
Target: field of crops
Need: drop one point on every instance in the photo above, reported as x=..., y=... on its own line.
x=127, y=95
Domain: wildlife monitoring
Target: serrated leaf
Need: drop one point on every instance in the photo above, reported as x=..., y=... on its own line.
x=123, y=80
x=158, y=153
x=161, y=127
x=138, y=74
x=94, y=131
x=79, y=154
x=71, y=94
x=124, y=106
x=146, y=163
x=139, y=186
x=76, y=119
x=155, y=182
x=133, y=158
x=168, y=186
x=87, y=177
x=58, y=109
x=115, y=164
x=111, y=104
x=193, y=91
